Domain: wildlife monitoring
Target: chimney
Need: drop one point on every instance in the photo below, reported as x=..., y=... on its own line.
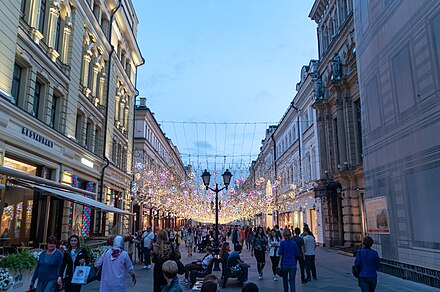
x=143, y=102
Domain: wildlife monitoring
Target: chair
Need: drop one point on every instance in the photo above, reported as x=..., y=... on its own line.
x=200, y=274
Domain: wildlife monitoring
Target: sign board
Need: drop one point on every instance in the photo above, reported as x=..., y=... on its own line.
x=377, y=216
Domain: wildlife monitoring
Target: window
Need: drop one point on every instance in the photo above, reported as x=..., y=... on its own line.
x=336, y=140
x=89, y=140
x=57, y=35
x=97, y=141
x=54, y=113
x=23, y=7
x=79, y=128
x=37, y=98
x=16, y=79
x=42, y=17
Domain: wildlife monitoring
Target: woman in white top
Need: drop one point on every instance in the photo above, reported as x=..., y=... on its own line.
x=189, y=241
x=274, y=243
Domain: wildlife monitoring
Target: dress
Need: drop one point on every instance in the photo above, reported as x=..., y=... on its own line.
x=113, y=271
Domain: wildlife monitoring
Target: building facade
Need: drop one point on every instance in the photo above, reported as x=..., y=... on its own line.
x=338, y=108
x=68, y=71
x=158, y=172
x=398, y=60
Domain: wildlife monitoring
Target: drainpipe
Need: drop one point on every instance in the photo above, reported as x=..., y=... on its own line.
x=101, y=186
x=132, y=144
x=275, y=164
x=299, y=142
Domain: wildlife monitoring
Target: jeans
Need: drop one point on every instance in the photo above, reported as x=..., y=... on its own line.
x=289, y=273
x=367, y=284
x=302, y=267
x=147, y=255
x=46, y=286
x=260, y=256
x=310, y=266
x=275, y=261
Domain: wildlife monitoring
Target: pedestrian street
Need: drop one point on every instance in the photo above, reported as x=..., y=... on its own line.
x=333, y=271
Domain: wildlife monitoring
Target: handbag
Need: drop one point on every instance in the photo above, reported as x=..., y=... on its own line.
x=279, y=271
x=93, y=275
x=180, y=266
x=81, y=275
x=356, y=270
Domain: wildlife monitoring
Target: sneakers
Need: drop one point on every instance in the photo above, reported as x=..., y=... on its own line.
x=260, y=277
x=147, y=267
x=275, y=278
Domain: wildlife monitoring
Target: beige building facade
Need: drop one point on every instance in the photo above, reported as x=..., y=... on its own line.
x=338, y=108
x=68, y=71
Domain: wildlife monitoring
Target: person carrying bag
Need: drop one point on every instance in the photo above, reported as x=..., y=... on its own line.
x=80, y=275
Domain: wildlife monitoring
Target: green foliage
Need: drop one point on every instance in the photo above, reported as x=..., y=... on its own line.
x=19, y=261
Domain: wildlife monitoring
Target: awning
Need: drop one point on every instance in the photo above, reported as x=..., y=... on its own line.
x=75, y=197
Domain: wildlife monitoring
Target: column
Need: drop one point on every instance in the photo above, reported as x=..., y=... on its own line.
x=87, y=59
x=121, y=113
x=54, y=13
x=66, y=38
x=101, y=88
x=117, y=108
x=127, y=109
x=341, y=131
x=94, y=81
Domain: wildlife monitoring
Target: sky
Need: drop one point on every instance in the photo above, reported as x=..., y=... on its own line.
x=219, y=72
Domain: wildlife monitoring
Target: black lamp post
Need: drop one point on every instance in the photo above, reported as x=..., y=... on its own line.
x=206, y=176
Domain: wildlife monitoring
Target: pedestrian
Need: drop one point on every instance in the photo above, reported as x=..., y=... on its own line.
x=302, y=255
x=74, y=256
x=236, y=235
x=115, y=264
x=189, y=240
x=163, y=250
x=259, y=246
x=249, y=238
x=274, y=244
x=224, y=254
x=147, y=245
x=310, y=245
x=288, y=252
x=367, y=260
x=169, y=269
x=139, y=246
x=48, y=267
x=243, y=236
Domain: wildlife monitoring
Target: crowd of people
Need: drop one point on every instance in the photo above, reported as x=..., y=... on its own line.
x=286, y=248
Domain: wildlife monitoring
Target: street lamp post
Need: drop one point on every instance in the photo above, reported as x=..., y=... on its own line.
x=206, y=176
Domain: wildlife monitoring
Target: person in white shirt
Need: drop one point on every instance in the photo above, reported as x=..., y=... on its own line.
x=310, y=245
x=147, y=244
x=274, y=243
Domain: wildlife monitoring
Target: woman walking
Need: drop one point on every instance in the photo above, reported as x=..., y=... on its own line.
x=48, y=266
x=274, y=243
x=367, y=261
x=74, y=256
x=259, y=245
x=163, y=250
x=189, y=241
x=115, y=263
x=249, y=238
x=288, y=252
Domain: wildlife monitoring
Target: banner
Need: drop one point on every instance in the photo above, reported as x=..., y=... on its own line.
x=377, y=216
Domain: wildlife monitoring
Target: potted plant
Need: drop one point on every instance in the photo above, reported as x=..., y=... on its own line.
x=19, y=266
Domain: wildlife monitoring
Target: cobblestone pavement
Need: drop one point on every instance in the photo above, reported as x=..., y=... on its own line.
x=333, y=270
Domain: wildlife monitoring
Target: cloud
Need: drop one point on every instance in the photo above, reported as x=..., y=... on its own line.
x=203, y=145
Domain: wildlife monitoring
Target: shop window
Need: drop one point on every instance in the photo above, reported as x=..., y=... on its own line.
x=16, y=213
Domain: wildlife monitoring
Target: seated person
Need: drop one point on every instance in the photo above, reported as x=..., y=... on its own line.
x=250, y=287
x=236, y=266
x=200, y=265
x=169, y=270
x=210, y=284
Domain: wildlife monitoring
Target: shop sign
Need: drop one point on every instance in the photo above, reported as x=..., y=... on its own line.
x=36, y=137
x=377, y=216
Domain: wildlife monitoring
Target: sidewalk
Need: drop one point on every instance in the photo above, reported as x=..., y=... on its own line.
x=333, y=269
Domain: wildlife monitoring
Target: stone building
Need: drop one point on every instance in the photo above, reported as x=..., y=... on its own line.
x=398, y=60
x=338, y=109
x=154, y=153
x=67, y=84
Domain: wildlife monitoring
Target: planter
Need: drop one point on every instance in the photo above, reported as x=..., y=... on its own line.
x=21, y=280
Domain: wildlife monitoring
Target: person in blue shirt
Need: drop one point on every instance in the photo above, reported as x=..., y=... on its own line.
x=47, y=268
x=236, y=264
x=367, y=260
x=289, y=253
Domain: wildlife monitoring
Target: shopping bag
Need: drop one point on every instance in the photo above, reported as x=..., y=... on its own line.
x=80, y=275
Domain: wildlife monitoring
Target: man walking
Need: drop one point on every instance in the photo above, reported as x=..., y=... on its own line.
x=236, y=236
x=301, y=259
x=147, y=243
x=310, y=245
